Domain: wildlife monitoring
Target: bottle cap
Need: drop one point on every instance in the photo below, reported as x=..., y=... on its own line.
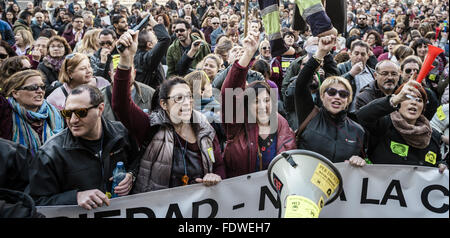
x=120, y=164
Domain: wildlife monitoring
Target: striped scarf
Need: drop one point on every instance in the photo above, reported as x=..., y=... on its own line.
x=24, y=134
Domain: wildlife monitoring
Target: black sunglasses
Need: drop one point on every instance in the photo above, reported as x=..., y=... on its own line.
x=215, y=23
x=80, y=113
x=265, y=48
x=102, y=43
x=342, y=93
x=33, y=87
x=408, y=71
x=179, y=30
x=3, y=56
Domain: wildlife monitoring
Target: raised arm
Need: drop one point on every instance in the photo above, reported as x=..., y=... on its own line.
x=154, y=56
x=132, y=117
x=236, y=77
x=304, y=103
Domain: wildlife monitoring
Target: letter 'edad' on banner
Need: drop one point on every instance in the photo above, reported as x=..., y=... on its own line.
x=378, y=191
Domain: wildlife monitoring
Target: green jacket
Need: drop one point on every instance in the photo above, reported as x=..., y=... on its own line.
x=20, y=25
x=179, y=63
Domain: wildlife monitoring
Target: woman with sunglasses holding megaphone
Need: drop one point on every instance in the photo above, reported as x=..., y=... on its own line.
x=27, y=118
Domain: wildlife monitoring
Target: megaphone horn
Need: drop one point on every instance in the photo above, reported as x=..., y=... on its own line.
x=305, y=182
x=427, y=65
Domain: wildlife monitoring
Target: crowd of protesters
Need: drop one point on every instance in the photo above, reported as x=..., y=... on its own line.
x=190, y=99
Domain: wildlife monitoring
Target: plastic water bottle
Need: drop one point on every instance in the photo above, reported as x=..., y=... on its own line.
x=119, y=174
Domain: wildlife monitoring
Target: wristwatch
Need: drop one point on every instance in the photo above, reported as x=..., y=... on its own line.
x=132, y=176
x=392, y=103
x=318, y=60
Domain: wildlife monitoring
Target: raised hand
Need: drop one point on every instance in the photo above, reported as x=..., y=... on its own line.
x=326, y=44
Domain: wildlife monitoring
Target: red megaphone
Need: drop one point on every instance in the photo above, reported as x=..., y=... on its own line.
x=427, y=65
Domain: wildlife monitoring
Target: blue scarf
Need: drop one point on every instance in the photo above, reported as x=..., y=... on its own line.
x=24, y=134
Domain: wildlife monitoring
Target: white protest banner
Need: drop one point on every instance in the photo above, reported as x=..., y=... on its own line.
x=378, y=191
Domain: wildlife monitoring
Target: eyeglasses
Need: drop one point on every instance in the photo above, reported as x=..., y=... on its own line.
x=362, y=18
x=102, y=43
x=413, y=98
x=265, y=48
x=408, y=71
x=386, y=73
x=215, y=23
x=3, y=56
x=180, y=98
x=80, y=113
x=179, y=30
x=342, y=93
x=33, y=87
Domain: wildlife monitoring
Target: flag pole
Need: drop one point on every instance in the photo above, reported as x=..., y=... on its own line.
x=246, y=19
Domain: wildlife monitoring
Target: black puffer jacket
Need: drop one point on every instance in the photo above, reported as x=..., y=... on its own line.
x=13, y=165
x=64, y=166
x=387, y=146
x=336, y=137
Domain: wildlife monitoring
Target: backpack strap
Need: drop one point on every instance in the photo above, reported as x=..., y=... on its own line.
x=64, y=91
x=302, y=127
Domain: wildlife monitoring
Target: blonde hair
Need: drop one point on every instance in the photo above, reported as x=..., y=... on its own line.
x=18, y=79
x=213, y=56
x=196, y=75
x=89, y=44
x=68, y=66
x=334, y=80
x=27, y=37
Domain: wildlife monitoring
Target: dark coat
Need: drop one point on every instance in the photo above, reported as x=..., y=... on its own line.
x=13, y=165
x=367, y=94
x=16, y=204
x=70, y=37
x=387, y=146
x=148, y=66
x=64, y=166
x=51, y=77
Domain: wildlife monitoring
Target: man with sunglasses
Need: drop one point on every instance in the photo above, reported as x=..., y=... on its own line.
x=101, y=60
x=75, y=166
x=186, y=51
x=410, y=67
x=361, y=24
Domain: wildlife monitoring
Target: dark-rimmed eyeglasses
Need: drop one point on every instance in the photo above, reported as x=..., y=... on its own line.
x=265, y=48
x=102, y=43
x=180, y=98
x=342, y=93
x=33, y=87
x=80, y=112
x=386, y=73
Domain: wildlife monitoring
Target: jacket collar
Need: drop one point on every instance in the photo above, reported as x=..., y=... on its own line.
x=110, y=133
x=339, y=117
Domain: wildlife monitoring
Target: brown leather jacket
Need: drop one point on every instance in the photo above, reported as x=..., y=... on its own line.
x=156, y=164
